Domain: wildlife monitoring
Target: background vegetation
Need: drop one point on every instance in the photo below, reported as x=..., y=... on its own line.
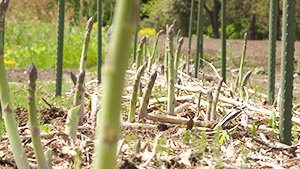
x=30, y=33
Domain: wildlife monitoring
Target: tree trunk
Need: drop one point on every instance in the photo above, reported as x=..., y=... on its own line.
x=251, y=34
x=278, y=21
x=214, y=17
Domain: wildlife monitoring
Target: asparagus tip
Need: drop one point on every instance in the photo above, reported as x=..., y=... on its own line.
x=89, y=24
x=81, y=77
x=245, y=36
x=180, y=41
x=32, y=71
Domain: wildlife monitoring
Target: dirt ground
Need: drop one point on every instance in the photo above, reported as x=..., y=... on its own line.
x=186, y=140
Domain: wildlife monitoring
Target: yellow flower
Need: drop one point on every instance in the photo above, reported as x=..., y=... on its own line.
x=8, y=53
x=95, y=24
x=10, y=62
x=147, y=31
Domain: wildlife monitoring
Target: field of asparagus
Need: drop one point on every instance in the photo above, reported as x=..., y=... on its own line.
x=167, y=102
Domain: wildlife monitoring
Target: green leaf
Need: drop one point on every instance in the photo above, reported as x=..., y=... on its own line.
x=253, y=129
x=223, y=138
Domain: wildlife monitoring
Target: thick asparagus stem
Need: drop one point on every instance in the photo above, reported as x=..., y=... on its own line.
x=74, y=113
x=7, y=106
x=89, y=26
x=35, y=130
x=151, y=58
x=133, y=101
x=48, y=155
x=171, y=71
x=146, y=97
x=125, y=19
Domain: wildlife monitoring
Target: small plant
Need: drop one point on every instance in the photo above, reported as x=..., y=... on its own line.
x=133, y=100
x=35, y=130
x=171, y=71
x=139, y=52
x=146, y=96
x=151, y=58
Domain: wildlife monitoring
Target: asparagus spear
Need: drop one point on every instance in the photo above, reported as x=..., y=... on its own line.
x=214, y=108
x=134, y=92
x=154, y=50
x=210, y=101
x=74, y=113
x=139, y=52
x=35, y=130
x=171, y=71
x=8, y=114
x=146, y=96
x=177, y=53
x=108, y=127
x=242, y=66
x=89, y=26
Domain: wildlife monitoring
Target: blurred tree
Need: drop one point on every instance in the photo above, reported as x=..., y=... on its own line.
x=213, y=13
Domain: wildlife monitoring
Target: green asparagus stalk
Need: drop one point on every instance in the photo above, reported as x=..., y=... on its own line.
x=171, y=71
x=136, y=33
x=242, y=66
x=190, y=34
x=35, y=130
x=287, y=68
x=246, y=78
x=83, y=60
x=60, y=46
x=145, y=48
x=48, y=155
x=214, y=108
x=74, y=113
x=199, y=48
x=154, y=49
x=166, y=59
x=146, y=96
x=178, y=53
x=223, y=38
x=133, y=101
x=272, y=50
x=210, y=102
x=139, y=52
x=99, y=45
x=187, y=64
x=125, y=19
x=178, y=36
x=7, y=106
